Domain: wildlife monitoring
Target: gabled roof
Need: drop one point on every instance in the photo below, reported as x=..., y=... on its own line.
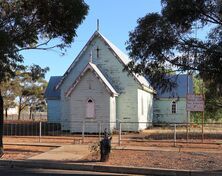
x=180, y=90
x=51, y=92
x=99, y=75
x=123, y=58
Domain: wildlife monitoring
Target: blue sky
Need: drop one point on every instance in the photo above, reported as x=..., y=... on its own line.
x=117, y=18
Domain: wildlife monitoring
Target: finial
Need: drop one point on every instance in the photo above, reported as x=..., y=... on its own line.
x=97, y=25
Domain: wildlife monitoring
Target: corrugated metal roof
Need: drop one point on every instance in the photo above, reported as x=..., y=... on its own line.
x=51, y=92
x=94, y=68
x=122, y=57
x=180, y=90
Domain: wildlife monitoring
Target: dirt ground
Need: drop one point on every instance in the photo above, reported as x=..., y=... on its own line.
x=198, y=158
x=48, y=139
x=136, y=158
x=15, y=152
x=160, y=159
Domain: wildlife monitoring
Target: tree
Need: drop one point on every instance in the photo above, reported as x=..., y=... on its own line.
x=31, y=24
x=37, y=101
x=30, y=89
x=9, y=89
x=170, y=39
x=213, y=100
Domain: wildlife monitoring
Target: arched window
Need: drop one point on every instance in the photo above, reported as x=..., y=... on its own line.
x=174, y=107
x=90, y=108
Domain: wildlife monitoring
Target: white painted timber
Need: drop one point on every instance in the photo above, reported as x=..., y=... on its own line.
x=145, y=109
x=78, y=102
x=98, y=74
x=53, y=111
x=111, y=65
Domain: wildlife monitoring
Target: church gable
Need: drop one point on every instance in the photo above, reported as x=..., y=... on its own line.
x=97, y=73
x=108, y=58
x=90, y=101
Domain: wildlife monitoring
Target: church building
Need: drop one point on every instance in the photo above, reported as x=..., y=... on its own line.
x=96, y=90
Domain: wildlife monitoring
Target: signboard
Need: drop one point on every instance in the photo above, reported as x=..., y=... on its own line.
x=195, y=102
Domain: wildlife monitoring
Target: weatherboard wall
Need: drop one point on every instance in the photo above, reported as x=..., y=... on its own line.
x=90, y=87
x=126, y=85
x=145, y=109
x=113, y=70
x=53, y=111
x=163, y=111
x=126, y=109
x=71, y=77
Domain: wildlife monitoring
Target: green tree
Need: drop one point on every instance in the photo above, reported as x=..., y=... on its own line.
x=213, y=100
x=37, y=101
x=170, y=39
x=9, y=93
x=31, y=24
x=31, y=86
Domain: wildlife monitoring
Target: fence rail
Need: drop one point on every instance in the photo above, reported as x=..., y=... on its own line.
x=173, y=133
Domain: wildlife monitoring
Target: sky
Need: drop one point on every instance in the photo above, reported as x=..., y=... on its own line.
x=116, y=18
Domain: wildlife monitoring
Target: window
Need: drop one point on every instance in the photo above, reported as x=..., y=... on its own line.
x=90, y=108
x=174, y=107
x=97, y=52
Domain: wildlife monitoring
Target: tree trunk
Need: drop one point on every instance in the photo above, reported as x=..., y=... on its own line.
x=19, y=113
x=1, y=125
x=30, y=113
x=6, y=113
x=20, y=109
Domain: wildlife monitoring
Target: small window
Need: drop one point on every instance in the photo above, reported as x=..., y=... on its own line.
x=174, y=107
x=90, y=108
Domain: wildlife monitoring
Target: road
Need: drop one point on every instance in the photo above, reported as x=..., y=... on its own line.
x=5, y=171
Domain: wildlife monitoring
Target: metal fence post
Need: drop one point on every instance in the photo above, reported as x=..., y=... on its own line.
x=120, y=131
x=40, y=131
x=187, y=132
x=83, y=131
x=100, y=129
x=11, y=125
x=175, y=134
x=202, y=129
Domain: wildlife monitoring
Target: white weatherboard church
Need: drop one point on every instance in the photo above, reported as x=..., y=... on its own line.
x=96, y=89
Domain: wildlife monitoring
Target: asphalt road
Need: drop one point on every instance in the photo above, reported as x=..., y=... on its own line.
x=5, y=171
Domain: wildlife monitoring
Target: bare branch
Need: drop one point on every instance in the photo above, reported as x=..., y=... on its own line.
x=38, y=47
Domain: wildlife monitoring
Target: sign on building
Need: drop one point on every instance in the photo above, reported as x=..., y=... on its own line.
x=195, y=102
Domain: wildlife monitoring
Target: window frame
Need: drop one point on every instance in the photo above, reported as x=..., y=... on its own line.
x=87, y=107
